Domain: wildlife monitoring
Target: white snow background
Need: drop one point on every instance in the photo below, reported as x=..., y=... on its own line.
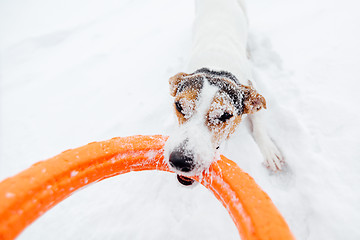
x=77, y=71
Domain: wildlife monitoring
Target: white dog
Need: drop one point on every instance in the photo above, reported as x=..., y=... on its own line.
x=212, y=100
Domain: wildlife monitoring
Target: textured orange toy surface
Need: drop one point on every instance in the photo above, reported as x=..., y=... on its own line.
x=27, y=195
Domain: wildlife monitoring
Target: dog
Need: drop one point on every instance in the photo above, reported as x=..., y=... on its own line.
x=211, y=100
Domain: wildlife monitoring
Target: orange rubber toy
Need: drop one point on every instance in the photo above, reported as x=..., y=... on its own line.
x=27, y=195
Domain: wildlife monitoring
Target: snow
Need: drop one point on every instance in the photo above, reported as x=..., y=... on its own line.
x=74, y=72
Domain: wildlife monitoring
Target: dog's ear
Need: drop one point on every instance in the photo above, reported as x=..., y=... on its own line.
x=252, y=100
x=174, y=82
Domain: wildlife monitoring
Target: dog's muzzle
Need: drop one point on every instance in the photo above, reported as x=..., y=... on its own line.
x=182, y=159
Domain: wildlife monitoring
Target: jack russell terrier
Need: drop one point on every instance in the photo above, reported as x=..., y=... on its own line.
x=212, y=99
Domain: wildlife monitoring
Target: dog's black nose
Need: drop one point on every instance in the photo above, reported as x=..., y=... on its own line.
x=181, y=161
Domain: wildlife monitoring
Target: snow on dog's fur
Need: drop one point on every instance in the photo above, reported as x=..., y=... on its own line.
x=211, y=101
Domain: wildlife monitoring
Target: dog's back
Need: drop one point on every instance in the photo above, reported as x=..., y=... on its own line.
x=220, y=37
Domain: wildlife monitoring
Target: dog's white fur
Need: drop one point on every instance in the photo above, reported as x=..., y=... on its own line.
x=220, y=38
x=220, y=43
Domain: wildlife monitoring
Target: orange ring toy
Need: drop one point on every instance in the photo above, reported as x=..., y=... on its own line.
x=27, y=195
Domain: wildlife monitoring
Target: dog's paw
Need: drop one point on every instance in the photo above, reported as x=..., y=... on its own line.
x=274, y=160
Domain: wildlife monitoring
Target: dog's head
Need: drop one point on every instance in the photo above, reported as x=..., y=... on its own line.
x=209, y=105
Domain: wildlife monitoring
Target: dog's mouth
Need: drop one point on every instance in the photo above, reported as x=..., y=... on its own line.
x=185, y=180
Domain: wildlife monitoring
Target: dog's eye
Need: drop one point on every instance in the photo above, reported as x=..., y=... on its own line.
x=179, y=107
x=225, y=116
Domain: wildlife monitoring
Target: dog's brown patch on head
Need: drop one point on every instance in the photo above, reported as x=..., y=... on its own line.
x=222, y=118
x=185, y=103
x=174, y=82
x=186, y=91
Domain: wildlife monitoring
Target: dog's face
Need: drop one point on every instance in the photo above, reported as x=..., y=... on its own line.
x=209, y=106
x=221, y=117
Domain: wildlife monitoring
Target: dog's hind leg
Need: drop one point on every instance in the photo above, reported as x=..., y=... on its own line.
x=273, y=157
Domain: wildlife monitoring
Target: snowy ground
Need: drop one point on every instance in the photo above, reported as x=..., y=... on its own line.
x=78, y=71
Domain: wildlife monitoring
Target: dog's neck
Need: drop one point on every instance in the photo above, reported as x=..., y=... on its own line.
x=220, y=40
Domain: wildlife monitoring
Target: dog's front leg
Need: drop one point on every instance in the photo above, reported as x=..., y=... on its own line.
x=273, y=157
